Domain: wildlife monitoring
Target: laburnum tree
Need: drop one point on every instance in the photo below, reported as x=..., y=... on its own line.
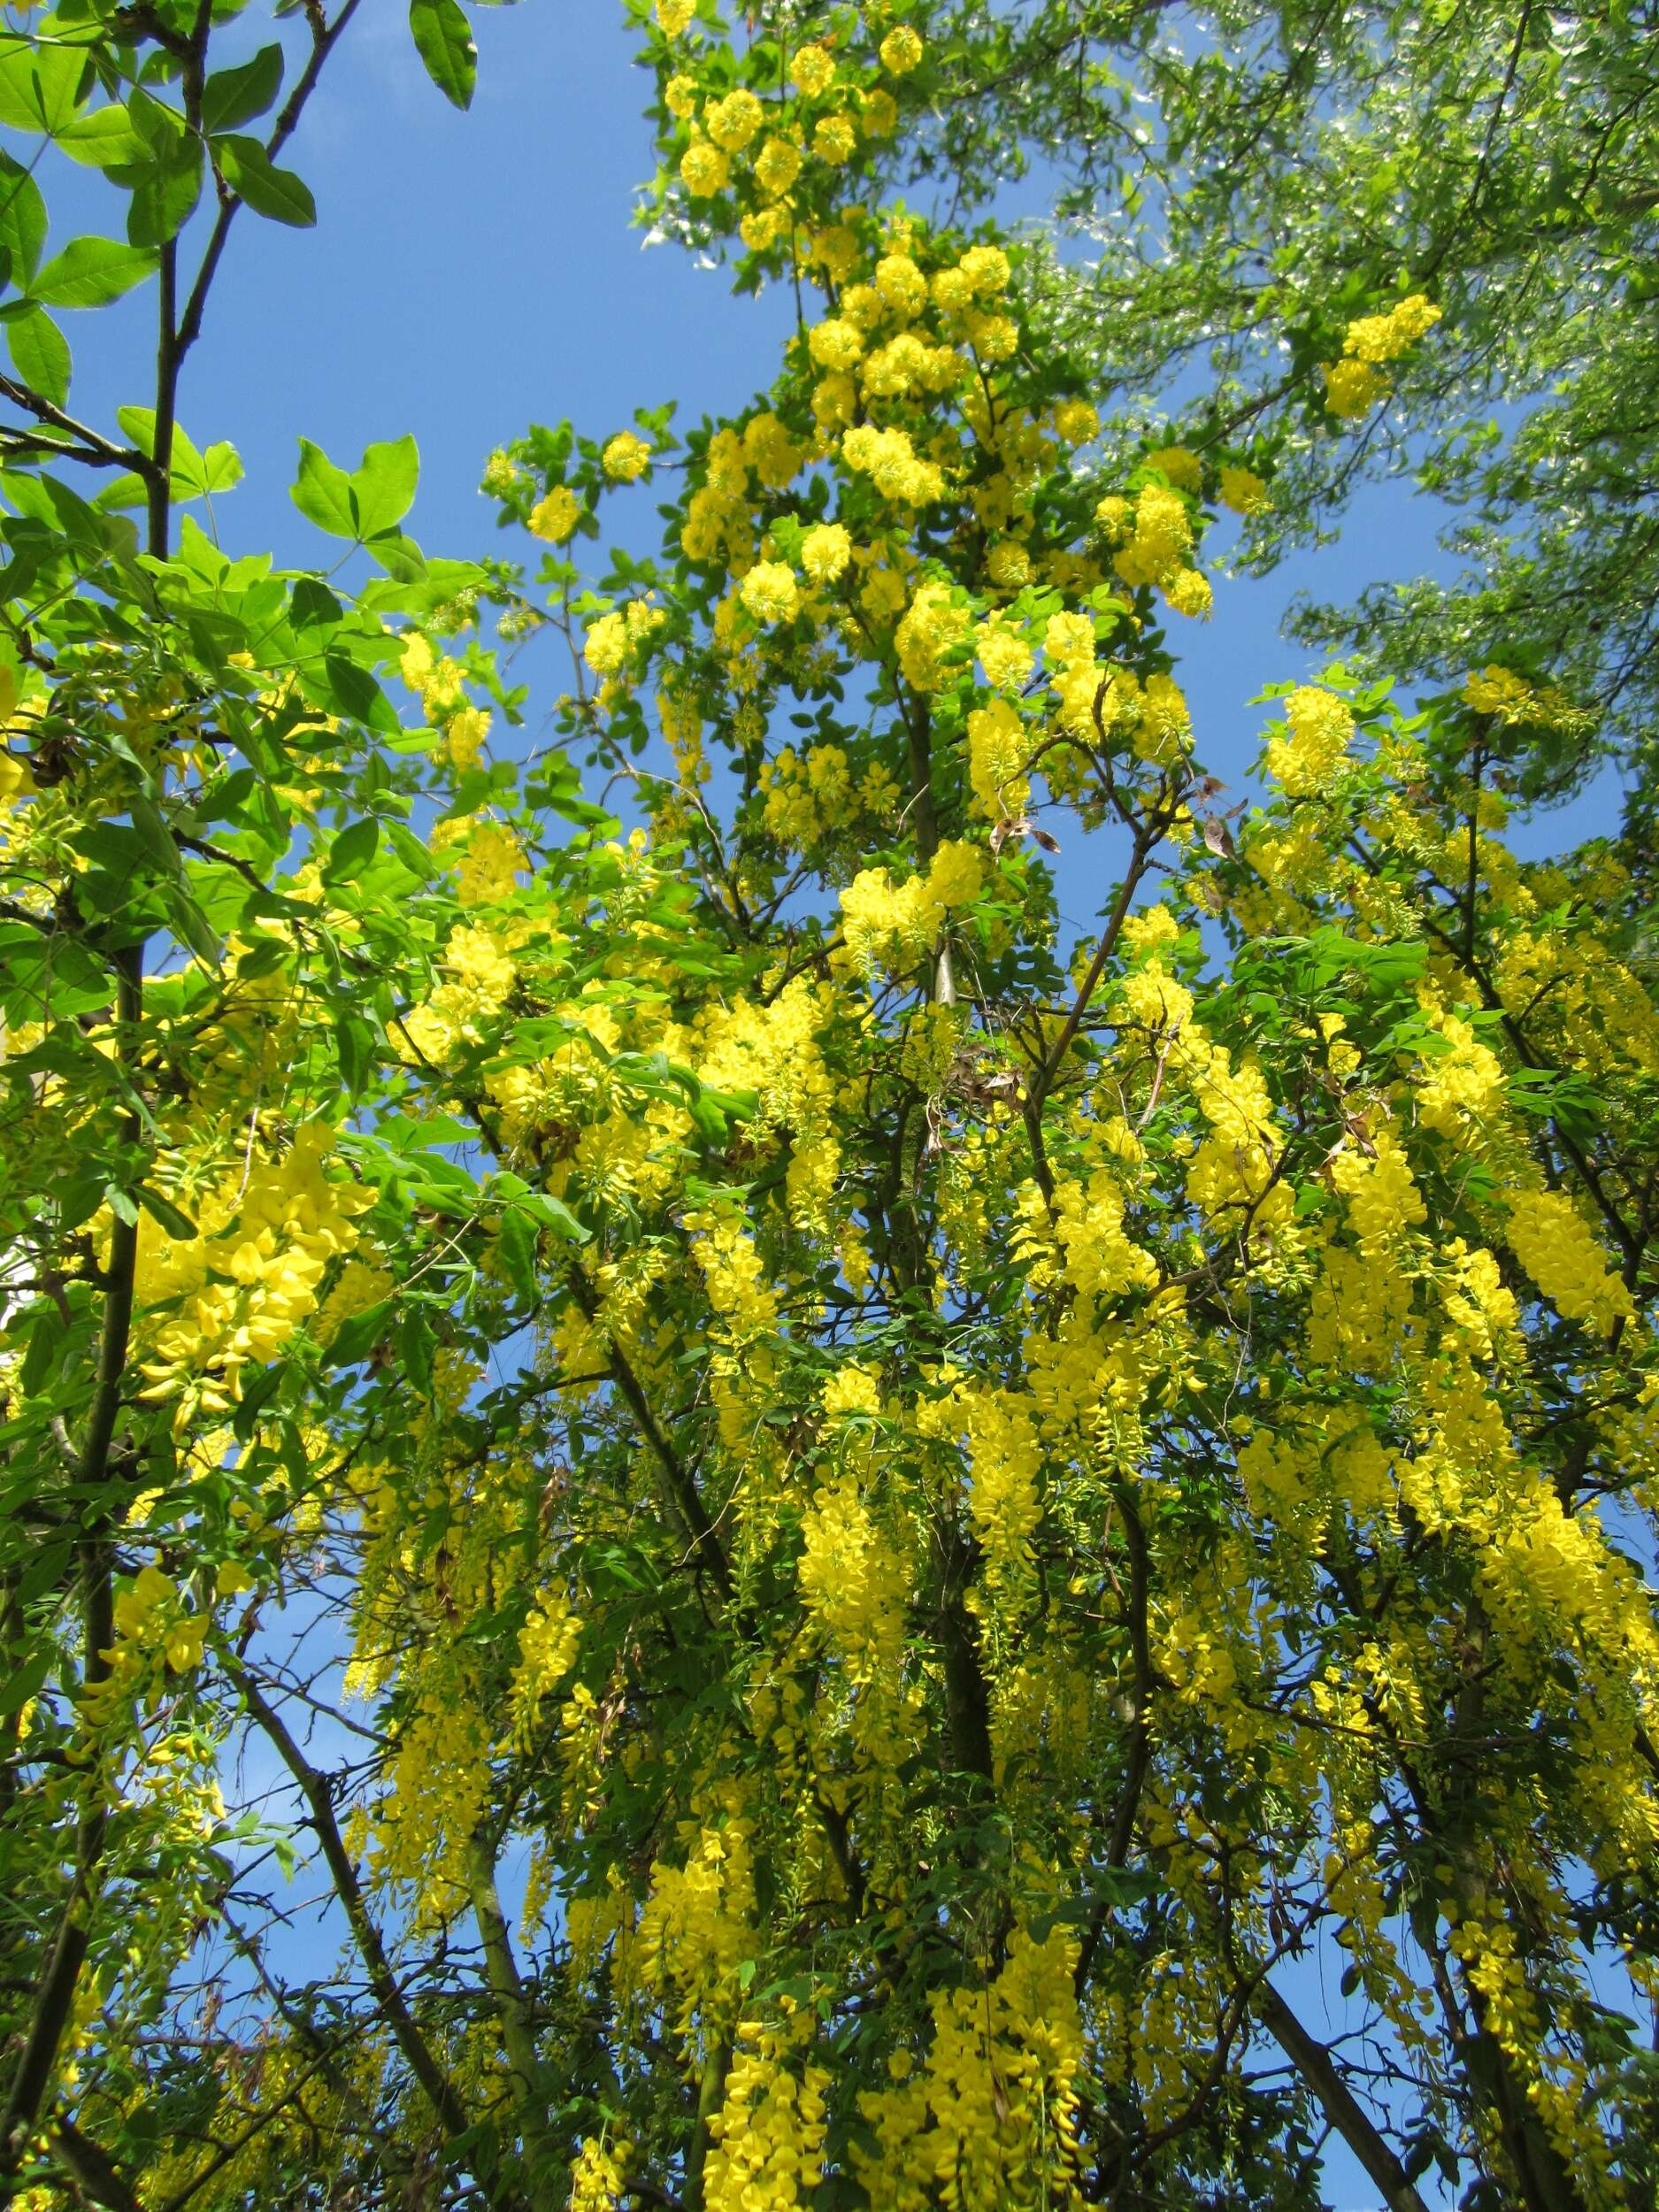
x=838, y=1528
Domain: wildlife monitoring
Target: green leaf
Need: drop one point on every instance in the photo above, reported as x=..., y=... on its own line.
x=322, y=493
x=415, y=1344
x=266, y=954
x=516, y=1240
x=46, y=1338
x=368, y=504
x=197, y=931
x=314, y=606
x=415, y=1137
x=339, y=687
x=384, y=485
x=351, y=851
x=47, y=1566
x=554, y=1214
x=22, y=217
x=40, y=354
x=24, y=1681
x=357, y=1337
x=147, y=820
x=410, y=851
x=355, y=1040
x=40, y=84
x=159, y=126
x=359, y=694
x=222, y=469
x=400, y=556
x=163, y=1212
x=187, y=468
x=444, y=39
x=234, y=96
x=90, y=273
x=103, y=138
x=165, y=175
x=165, y=192
x=275, y=193
x=200, y=554
x=191, y=474
x=139, y=423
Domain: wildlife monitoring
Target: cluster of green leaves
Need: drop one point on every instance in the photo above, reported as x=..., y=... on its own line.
x=198, y=734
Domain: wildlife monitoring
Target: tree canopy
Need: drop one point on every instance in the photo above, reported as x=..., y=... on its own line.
x=1252, y=180
x=836, y=1528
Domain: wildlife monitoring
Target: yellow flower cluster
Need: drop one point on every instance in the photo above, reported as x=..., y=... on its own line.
x=233, y=1296
x=900, y=50
x=808, y=796
x=851, y=1582
x=852, y=1390
x=718, y=524
x=743, y=1309
x=150, y=1614
x=437, y=1779
x=1382, y=1194
x=697, y=1926
x=1242, y=490
x=1353, y=385
x=893, y=465
x=1004, y=655
x=826, y=116
x=1352, y=388
x=478, y=962
x=626, y=458
x=826, y=550
x=894, y=926
x=1153, y=539
x=1501, y=691
x=1463, y=1087
x=547, y=1651
x=599, y=2173
x=932, y=637
x=991, y=2122
x=768, y=2136
x=1111, y=703
x=555, y=517
x=1319, y=728
x=439, y=683
x=1558, y=1250
x=1480, y=1304
x=1004, y=1502
x=1232, y=1172
x=998, y=748
x=1101, y=1262
x=614, y=638
x=1386, y=337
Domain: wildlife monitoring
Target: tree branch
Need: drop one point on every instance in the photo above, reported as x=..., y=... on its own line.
x=1313, y=2061
x=405, y=2030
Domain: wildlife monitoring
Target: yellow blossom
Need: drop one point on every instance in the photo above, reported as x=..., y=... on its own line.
x=770, y=593
x=626, y=457
x=901, y=50
x=555, y=518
